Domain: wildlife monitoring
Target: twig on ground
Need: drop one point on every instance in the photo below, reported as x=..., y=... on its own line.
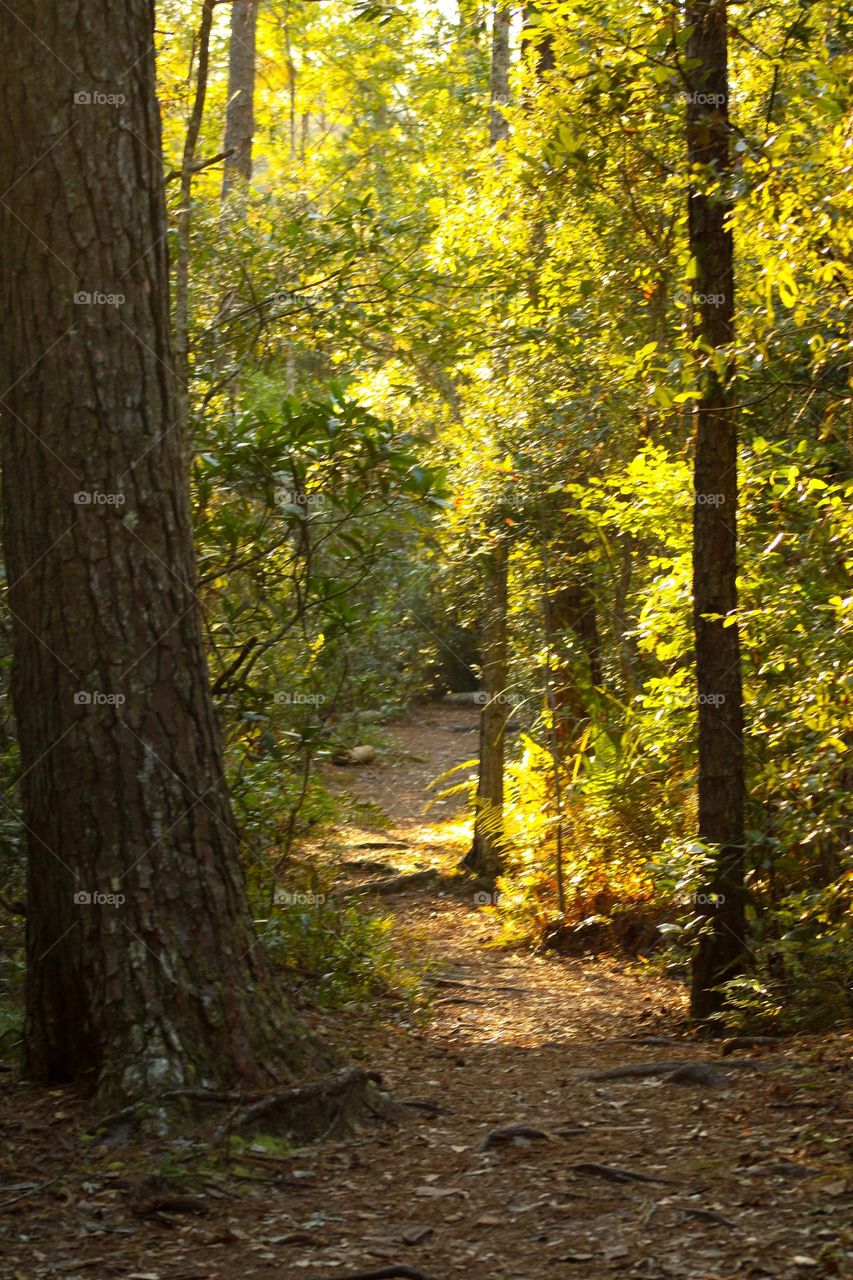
x=34, y=1190
x=384, y=1273
x=613, y=1173
x=708, y=1215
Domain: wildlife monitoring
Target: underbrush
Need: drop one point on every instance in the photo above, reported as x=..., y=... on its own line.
x=632, y=878
x=338, y=955
x=596, y=851
x=803, y=966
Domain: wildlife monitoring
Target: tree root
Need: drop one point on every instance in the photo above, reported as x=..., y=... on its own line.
x=643, y=1070
x=323, y=1108
x=749, y=1042
x=393, y=884
x=330, y=1106
x=513, y=1133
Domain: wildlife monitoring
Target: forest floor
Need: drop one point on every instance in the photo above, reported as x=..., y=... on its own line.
x=746, y=1171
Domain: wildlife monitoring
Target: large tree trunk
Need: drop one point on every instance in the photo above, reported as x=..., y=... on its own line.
x=143, y=964
x=486, y=854
x=240, y=111
x=720, y=954
x=499, y=75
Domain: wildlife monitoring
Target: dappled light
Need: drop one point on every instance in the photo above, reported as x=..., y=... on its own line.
x=425, y=639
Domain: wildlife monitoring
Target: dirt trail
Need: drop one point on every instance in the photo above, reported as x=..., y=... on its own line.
x=748, y=1175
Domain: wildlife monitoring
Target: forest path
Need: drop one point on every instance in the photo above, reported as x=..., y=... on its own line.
x=751, y=1181
x=746, y=1176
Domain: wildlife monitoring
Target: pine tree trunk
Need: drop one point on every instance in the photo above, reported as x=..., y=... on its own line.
x=143, y=965
x=486, y=854
x=720, y=954
x=240, y=111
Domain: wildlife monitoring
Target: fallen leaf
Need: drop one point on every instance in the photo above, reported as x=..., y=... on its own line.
x=437, y=1193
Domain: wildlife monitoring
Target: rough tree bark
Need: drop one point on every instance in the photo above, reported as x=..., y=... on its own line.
x=143, y=965
x=499, y=76
x=721, y=951
x=240, y=111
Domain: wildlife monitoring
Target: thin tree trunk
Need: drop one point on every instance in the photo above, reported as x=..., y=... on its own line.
x=486, y=853
x=543, y=45
x=573, y=610
x=240, y=111
x=621, y=622
x=144, y=970
x=291, y=88
x=554, y=731
x=499, y=78
x=721, y=950
x=184, y=220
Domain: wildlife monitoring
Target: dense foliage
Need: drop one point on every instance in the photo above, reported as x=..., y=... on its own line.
x=408, y=345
